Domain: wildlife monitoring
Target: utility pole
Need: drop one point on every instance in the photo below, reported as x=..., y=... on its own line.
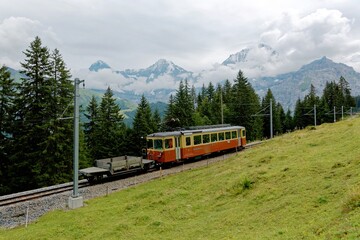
x=342, y=113
x=334, y=114
x=271, y=120
x=314, y=115
x=350, y=111
x=76, y=201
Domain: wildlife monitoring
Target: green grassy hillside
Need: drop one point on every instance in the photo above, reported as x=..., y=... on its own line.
x=303, y=185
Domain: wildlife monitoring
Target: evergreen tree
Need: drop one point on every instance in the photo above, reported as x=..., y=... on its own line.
x=299, y=114
x=34, y=115
x=184, y=105
x=289, y=122
x=142, y=125
x=347, y=100
x=244, y=104
x=7, y=96
x=42, y=142
x=156, y=121
x=171, y=121
x=276, y=113
x=111, y=129
x=59, y=144
x=309, y=102
x=91, y=127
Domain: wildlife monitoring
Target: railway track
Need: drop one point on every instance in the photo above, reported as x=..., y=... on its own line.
x=47, y=191
x=38, y=193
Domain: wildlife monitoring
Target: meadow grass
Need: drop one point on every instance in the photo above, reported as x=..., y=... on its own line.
x=302, y=185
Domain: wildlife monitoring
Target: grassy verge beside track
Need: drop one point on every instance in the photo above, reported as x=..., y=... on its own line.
x=303, y=185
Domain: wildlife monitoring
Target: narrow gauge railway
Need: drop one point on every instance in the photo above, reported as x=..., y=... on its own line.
x=38, y=193
x=163, y=149
x=15, y=214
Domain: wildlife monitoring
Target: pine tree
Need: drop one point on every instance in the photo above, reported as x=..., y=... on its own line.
x=184, y=105
x=171, y=121
x=7, y=97
x=277, y=124
x=289, y=122
x=244, y=103
x=142, y=125
x=91, y=127
x=34, y=115
x=348, y=100
x=309, y=102
x=111, y=129
x=156, y=121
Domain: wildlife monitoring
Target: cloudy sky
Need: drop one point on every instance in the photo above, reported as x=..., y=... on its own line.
x=194, y=34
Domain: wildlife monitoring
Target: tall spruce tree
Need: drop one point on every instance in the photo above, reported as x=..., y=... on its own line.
x=42, y=142
x=7, y=98
x=244, y=104
x=171, y=121
x=184, y=105
x=142, y=125
x=276, y=113
x=34, y=115
x=91, y=127
x=111, y=128
x=156, y=121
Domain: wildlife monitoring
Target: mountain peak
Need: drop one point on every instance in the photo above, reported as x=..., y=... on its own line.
x=322, y=63
x=98, y=65
x=251, y=53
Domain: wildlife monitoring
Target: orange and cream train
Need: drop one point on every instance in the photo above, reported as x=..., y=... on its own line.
x=167, y=147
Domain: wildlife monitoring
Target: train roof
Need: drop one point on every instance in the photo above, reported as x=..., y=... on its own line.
x=194, y=131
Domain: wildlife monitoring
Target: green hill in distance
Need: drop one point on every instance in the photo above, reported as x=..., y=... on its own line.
x=302, y=185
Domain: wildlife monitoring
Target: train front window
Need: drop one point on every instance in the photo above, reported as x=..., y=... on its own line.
x=158, y=144
x=150, y=144
x=243, y=133
x=168, y=143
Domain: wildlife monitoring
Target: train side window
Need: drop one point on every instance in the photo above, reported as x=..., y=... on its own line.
x=214, y=137
x=206, y=138
x=233, y=134
x=221, y=136
x=227, y=135
x=150, y=144
x=243, y=133
x=188, y=141
x=197, y=139
x=168, y=143
x=158, y=144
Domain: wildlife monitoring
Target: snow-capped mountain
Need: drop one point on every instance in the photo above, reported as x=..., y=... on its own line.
x=99, y=65
x=162, y=68
x=289, y=87
x=256, y=54
x=162, y=78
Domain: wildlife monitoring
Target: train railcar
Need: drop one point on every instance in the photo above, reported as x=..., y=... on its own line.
x=116, y=166
x=167, y=147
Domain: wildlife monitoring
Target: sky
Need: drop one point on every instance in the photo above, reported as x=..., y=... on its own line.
x=194, y=34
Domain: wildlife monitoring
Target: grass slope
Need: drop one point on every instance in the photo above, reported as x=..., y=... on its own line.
x=303, y=185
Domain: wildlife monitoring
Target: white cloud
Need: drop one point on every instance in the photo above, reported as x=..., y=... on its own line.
x=301, y=39
x=16, y=33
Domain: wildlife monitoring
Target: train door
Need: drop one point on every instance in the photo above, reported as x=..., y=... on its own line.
x=177, y=148
x=239, y=137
